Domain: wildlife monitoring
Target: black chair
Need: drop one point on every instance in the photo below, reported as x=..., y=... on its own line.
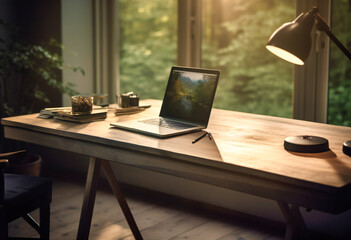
x=20, y=195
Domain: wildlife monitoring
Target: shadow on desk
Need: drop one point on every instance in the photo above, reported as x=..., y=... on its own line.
x=340, y=167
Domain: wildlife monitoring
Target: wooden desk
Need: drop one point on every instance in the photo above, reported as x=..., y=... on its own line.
x=246, y=155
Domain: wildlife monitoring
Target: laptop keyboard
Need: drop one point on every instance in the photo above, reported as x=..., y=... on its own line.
x=167, y=123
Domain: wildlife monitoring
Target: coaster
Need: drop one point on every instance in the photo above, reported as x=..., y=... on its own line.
x=306, y=144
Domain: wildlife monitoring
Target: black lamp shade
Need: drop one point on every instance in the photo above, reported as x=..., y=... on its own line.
x=292, y=41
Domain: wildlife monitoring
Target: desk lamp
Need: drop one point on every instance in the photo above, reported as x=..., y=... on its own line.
x=292, y=42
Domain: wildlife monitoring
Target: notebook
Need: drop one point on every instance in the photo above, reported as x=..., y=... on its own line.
x=186, y=105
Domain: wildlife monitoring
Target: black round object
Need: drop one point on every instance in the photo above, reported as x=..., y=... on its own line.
x=306, y=144
x=346, y=148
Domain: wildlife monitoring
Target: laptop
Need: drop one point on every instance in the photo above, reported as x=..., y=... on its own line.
x=186, y=105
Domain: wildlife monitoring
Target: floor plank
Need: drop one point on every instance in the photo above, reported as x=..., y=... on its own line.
x=210, y=230
x=158, y=217
x=172, y=227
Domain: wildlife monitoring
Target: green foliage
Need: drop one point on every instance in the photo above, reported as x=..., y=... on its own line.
x=148, y=45
x=252, y=79
x=234, y=37
x=339, y=108
x=27, y=71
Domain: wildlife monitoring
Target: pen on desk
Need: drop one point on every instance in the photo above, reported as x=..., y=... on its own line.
x=199, y=138
x=209, y=136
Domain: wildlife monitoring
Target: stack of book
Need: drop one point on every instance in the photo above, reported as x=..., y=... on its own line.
x=64, y=113
x=82, y=118
x=50, y=112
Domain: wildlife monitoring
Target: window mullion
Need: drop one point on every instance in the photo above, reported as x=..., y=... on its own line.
x=105, y=48
x=189, y=32
x=311, y=80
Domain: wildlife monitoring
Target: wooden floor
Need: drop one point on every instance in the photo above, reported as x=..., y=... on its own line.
x=158, y=217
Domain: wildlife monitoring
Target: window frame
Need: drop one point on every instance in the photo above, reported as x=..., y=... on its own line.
x=310, y=82
x=310, y=89
x=105, y=25
x=189, y=33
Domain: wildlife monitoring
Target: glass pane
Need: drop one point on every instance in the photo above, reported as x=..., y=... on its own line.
x=148, y=39
x=339, y=108
x=235, y=34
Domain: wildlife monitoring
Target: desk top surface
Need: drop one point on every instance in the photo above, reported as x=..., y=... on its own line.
x=242, y=142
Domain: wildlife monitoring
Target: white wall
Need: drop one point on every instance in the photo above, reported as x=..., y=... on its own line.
x=77, y=39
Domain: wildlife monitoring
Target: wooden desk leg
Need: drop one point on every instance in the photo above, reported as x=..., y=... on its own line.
x=121, y=200
x=89, y=199
x=295, y=225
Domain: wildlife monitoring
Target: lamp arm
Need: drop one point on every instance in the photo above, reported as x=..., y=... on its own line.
x=324, y=27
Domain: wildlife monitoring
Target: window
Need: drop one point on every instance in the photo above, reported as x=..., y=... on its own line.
x=339, y=106
x=148, y=45
x=234, y=35
x=230, y=36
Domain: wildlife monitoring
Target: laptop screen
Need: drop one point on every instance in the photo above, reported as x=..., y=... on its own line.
x=189, y=94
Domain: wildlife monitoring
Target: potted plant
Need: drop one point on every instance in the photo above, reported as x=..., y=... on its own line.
x=28, y=72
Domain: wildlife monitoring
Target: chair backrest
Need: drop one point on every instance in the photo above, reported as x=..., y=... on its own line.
x=17, y=156
x=5, y=158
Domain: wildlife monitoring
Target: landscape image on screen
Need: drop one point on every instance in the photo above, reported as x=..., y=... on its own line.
x=189, y=96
